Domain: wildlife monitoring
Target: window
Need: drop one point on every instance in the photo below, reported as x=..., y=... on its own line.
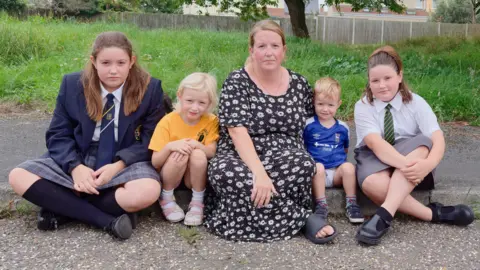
x=420, y=4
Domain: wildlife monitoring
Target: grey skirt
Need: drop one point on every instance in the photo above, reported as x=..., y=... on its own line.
x=46, y=168
x=368, y=163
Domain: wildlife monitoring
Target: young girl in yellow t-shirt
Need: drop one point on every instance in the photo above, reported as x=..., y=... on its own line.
x=183, y=142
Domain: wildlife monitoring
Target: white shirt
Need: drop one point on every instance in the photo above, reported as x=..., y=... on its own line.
x=409, y=119
x=117, y=94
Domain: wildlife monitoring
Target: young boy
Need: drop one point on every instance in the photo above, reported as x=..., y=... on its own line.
x=327, y=140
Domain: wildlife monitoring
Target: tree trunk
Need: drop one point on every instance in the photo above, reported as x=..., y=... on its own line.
x=473, y=12
x=296, y=9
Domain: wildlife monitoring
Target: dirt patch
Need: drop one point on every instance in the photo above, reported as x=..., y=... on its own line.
x=10, y=109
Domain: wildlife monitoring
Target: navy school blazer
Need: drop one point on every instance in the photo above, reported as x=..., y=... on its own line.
x=71, y=129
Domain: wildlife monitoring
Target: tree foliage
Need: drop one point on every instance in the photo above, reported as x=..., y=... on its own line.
x=457, y=11
x=376, y=5
x=257, y=9
x=163, y=6
x=245, y=9
x=12, y=5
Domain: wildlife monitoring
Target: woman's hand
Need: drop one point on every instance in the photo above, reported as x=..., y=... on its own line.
x=83, y=180
x=262, y=191
x=107, y=172
x=416, y=170
x=181, y=146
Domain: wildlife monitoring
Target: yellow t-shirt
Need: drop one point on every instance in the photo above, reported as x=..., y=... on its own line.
x=172, y=128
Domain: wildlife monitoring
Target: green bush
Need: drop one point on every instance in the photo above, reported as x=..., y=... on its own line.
x=454, y=11
x=12, y=5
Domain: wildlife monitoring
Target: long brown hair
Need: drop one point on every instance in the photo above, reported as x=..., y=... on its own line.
x=135, y=85
x=267, y=25
x=387, y=55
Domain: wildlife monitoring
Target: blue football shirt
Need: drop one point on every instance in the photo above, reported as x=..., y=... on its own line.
x=327, y=145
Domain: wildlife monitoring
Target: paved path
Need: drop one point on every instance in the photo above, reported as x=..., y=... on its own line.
x=157, y=244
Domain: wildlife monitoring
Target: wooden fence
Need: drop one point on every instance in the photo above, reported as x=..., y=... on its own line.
x=326, y=29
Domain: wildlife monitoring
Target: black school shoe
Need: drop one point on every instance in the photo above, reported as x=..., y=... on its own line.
x=460, y=215
x=134, y=219
x=49, y=221
x=120, y=228
x=369, y=234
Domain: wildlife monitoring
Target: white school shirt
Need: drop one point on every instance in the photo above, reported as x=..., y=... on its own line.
x=117, y=94
x=409, y=120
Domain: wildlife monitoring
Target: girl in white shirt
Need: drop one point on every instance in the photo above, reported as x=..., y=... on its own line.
x=399, y=144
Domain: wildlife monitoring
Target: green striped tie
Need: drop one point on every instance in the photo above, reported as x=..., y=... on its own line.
x=388, y=130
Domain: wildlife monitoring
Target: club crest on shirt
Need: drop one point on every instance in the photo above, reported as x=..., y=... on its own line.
x=337, y=137
x=138, y=132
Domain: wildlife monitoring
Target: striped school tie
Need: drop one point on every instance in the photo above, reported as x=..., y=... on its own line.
x=388, y=130
x=106, y=145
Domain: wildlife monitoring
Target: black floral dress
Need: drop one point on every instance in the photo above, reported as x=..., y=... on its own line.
x=275, y=124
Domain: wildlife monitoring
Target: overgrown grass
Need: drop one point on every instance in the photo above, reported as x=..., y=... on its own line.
x=37, y=52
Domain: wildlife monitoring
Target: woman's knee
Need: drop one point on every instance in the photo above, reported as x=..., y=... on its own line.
x=21, y=180
x=198, y=159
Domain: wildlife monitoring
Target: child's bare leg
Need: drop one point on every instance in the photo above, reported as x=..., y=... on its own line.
x=376, y=187
x=400, y=187
x=172, y=173
x=196, y=179
x=345, y=174
x=399, y=190
x=173, y=170
x=319, y=182
x=320, y=199
x=196, y=176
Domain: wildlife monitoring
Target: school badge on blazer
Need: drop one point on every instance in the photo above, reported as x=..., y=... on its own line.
x=138, y=131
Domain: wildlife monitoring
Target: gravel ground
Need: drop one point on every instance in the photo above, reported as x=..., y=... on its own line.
x=157, y=244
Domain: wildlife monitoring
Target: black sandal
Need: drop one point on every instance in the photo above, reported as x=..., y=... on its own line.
x=315, y=222
x=460, y=215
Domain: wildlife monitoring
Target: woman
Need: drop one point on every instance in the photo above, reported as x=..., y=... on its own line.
x=261, y=174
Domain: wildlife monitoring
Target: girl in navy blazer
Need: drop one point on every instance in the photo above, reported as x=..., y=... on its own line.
x=97, y=169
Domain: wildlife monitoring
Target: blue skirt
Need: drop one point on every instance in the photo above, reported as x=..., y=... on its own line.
x=46, y=168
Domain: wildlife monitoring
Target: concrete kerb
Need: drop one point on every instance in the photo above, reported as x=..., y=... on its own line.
x=335, y=198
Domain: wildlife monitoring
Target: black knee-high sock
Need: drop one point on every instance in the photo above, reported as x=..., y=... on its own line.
x=63, y=201
x=106, y=202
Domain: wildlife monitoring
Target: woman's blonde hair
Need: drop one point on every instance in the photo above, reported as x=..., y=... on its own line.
x=201, y=82
x=135, y=85
x=329, y=87
x=265, y=25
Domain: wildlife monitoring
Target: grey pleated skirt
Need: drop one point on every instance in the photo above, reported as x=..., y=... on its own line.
x=368, y=163
x=46, y=168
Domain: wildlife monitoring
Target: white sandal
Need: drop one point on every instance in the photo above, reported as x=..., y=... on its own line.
x=194, y=216
x=172, y=211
